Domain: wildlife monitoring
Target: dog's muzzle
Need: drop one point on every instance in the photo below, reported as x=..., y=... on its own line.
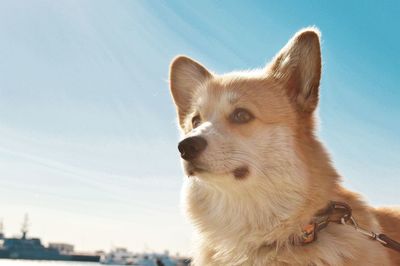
x=191, y=147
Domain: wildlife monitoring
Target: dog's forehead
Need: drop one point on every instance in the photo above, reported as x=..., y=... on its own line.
x=228, y=90
x=214, y=96
x=262, y=96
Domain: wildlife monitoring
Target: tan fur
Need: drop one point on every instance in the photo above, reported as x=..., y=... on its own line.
x=250, y=221
x=389, y=219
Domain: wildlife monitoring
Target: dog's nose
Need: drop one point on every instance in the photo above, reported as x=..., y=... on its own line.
x=191, y=147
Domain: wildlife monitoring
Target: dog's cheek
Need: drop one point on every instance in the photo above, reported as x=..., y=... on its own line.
x=270, y=147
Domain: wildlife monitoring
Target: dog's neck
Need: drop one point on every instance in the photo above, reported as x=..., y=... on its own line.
x=266, y=221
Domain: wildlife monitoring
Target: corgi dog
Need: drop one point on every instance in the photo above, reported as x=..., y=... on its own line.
x=256, y=172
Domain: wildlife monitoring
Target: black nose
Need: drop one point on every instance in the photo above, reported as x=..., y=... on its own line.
x=191, y=147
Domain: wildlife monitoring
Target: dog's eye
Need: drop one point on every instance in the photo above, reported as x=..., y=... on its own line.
x=196, y=121
x=241, y=116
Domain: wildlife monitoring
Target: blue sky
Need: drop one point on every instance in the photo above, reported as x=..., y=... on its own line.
x=87, y=127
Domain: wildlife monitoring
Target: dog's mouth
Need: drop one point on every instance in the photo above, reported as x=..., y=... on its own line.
x=192, y=169
x=238, y=173
x=241, y=172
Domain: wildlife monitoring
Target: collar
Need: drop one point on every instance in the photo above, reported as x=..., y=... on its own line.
x=339, y=213
x=334, y=212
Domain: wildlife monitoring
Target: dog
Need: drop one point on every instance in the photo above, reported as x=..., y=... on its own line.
x=256, y=172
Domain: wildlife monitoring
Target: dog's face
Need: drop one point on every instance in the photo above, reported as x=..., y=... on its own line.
x=242, y=130
x=235, y=128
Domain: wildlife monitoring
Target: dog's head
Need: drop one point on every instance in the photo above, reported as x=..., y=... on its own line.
x=248, y=127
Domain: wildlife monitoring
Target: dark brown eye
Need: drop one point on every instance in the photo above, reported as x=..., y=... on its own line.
x=240, y=116
x=196, y=121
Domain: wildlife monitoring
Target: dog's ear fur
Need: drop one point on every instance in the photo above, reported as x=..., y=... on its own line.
x=298, y=66
x=186, y=75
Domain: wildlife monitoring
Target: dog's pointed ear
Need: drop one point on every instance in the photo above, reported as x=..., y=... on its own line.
x=186, y=75
x=298, y=66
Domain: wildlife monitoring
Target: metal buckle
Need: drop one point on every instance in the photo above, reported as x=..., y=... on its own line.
x=347, y=212
x=370, y=234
